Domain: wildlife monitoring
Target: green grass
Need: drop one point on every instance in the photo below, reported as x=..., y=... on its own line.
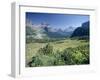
x=32, y=48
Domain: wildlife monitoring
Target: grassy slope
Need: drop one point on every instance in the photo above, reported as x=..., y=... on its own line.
x=32, y=48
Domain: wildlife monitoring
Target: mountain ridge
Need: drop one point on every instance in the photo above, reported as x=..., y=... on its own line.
x=46, y=31
x=83, y=30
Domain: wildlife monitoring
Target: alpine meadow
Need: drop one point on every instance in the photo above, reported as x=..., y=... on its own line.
x=54, y=39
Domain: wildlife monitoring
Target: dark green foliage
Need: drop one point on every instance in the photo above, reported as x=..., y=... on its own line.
x=36, y=61
x=69, y=56
x=48, y=49
x=31, y=39
x=58, y=58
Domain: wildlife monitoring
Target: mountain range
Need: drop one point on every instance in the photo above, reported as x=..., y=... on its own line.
x=44, y=31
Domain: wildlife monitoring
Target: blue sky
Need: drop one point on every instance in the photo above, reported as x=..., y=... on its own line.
x=57, y=20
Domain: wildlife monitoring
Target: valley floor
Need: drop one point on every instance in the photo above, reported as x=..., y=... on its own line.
x=32, y=48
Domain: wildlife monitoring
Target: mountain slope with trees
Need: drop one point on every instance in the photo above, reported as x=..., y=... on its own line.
x=82, y=31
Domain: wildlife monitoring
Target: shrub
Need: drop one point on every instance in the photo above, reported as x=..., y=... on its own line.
x=69, y=56
x=48, y=49
x=81, y=55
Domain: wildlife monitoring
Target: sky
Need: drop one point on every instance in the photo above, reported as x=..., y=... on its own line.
x=57, y=20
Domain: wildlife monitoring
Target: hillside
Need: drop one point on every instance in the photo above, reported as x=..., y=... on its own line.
x=82, y=31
